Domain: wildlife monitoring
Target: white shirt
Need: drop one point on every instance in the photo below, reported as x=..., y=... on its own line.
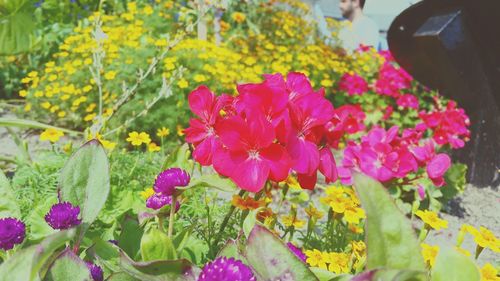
x=363, y=30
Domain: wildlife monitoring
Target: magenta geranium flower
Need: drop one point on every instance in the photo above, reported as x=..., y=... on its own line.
x=201, y=132
x=353, y=84
x=250, y=156
x=408, y=101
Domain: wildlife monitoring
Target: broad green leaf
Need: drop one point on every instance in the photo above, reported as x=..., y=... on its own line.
x=85, y=180
x=325, y=275
x=161, y=270
x=68, y=266
x=156, y=245
x=180, y=158
x=22, y=123
x=121, y=276
x=8, y=201
x=107, y=253
x=230, y=250
x=181, y=239
x=38, y=227
x=453, y=266
x=130, y=237
x=390, y=239
x=212, y=181
x=272, y=259
x=26, y=263
x=17, y=28
x=250, y=221
x=390, y=275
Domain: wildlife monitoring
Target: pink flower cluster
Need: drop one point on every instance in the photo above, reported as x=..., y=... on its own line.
x=269, y=130
x=385, y=156
x=449, y=125
x=391, y=80
x=353, y=84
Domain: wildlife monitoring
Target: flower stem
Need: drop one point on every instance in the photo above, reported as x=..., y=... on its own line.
x=172, y=214
x=226, y=219
x=160, y=224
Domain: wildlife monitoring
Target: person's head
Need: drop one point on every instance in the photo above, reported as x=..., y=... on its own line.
x=349, y=7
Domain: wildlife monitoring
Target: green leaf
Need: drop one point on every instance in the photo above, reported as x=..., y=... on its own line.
x=121, y=276
x=22, y=123
x=164, y=270
x=8, y=201
x=250, y=221
x=107, y=253
x=156, y=245
x=17, y=27
x=130, y=236
x=38, y=227
x=26, y=263
x=230, y=250
x=180, y=158
x=325, y=275
x=181, y=239
x=68, y=266
x=390, y=240
x=212, y=181
x=85, y=180
x=453, y=266
x=264, y=249
x=390, y=275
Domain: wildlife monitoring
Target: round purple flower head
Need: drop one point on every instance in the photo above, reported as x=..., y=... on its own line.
x=12, y=232
x=167, y=180
x=158, y=200
x=224, y=269
x=296, y=251
x=63, y=216
x=95, y=271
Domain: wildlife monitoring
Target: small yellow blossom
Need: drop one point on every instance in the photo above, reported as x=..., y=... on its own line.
x=315, y=258
x=429, y=253
x=489, y=273
x=238, y=17
x=110, y=75
x=312, y=212
x=51, y=134
x=431, y=219
x=153, y=147
x=163, y=132
x=180, y=131
x=137, y=139
x=183, y=83
x=338, y=262
x=485, y=238
x=290, y=221
x=148, y=192
x=247, y=203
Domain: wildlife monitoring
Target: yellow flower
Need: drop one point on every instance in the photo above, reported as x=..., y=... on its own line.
x=312, y=212
x=152, y=147
x=485, y=238
x=353, y=213
x=238, y=17
x=51, y=134
x=489, y=273
x=180, y=131
x=163, y=132
x=183, y=83
x=429, y=253
x=316, y=258
x=110, y=75
x=145, y=194
x=247, y=203
x=137, y=139
x=290, y=221
x=23, y=93
x=431, y=219
x=358, y=248
x=338, y=263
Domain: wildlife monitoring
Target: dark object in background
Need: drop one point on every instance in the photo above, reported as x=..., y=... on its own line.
x=454, y=46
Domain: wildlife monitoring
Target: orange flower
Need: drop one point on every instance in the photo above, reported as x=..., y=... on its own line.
x=247, y=203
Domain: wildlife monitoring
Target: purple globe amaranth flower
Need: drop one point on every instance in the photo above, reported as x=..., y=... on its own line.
x=12, y=232
x=168, y=180
x=224, y=269
x=63, y=216
x=158, y=200
x=297, y=251
x=95, y=271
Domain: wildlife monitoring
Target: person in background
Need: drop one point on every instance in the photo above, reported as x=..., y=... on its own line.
x=361, y=31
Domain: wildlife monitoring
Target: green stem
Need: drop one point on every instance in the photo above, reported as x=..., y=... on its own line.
x=160, y=224
x=135, y=165
x=226, y=220
x=423, y=234
x=172, y=214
